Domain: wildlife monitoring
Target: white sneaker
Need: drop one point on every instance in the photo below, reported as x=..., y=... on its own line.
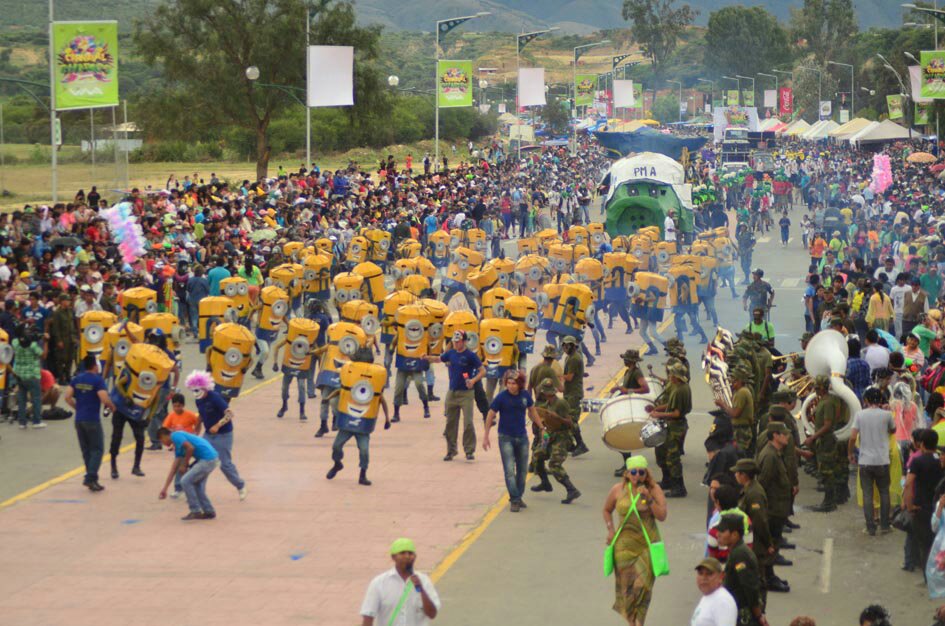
x=243, y=493
x=40, y=425
x=177, y=494
x=23, y=426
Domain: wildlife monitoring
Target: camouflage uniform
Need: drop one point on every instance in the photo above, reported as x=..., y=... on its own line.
x=574, y=390
x=676, y=397
x=744, y=425
x=826, y=446
x=554, y=449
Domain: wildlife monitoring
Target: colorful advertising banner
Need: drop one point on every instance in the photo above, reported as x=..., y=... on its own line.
x=731, y=98
x=748, y=98
x=785, y=101
x=933, y=73
x=584, y=86
x=734, y=117
x=921, y=114
x=894, y=104
x=86, y=64
x=826, y=109
x=637, y=95
x=454, y=84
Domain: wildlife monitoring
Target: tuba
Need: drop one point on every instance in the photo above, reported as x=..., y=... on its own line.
x=827, y=355
x=715, y=367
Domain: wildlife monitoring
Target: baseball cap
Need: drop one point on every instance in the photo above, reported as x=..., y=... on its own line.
x=710, y=564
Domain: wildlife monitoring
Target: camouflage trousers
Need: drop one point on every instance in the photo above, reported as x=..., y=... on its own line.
x=744, y=439
x=574, y=403
x=828, y=459
x=554, y=451
x=669, y=455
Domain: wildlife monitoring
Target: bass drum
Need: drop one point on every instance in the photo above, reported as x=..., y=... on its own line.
x=622, y=419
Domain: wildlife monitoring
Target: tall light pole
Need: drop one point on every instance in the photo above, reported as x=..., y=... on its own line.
x=711, y=89
x=578, y=53
x=820, y=85
x=775, y=77
x=852, y=87
x=53, y=143
x=678, y=106
x=902, y=86
x=614, y=62
x=934, y=12
x=738, y=87
x=521, y=41
x=444, y=27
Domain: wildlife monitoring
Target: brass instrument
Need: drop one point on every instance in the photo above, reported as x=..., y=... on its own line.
x=786, y=356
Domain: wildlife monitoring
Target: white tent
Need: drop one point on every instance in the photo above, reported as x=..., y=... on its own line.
x=797, y=128
x=820, y=130
x=845, y=131
x=879, y=132
x=768, y=124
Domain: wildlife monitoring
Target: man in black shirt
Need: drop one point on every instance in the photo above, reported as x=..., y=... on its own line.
x=925, y=472
x=742, y=576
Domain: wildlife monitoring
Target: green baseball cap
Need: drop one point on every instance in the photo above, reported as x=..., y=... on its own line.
x=402, y=545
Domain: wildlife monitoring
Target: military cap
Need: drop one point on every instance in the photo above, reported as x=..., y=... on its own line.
x=569, y=340
x=549, y=352
x=678, y=370
x=783, y=396
x=631, y=355
x=778, y=427
x=746, y=466
x=547, y=386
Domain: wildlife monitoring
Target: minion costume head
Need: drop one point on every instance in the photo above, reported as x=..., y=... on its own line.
x=357, y=251
x=641, y=247
x=465, y=321
x=595, y=236
x=362, y=313
x=211, y=311
x=457, y=238
x=724, y=251
x=702, y=248
x=378, y=246
x=617, y=269
x=620, y=243
x=526, y=246
x=530, y=272
x=138, y=301
x=648, y=293
x=168, y=324
x=237, y=289
x=504, y=268
x=547, y=301
x=392, y=302
x=484, y=279
x=578, y=235
x=663, y=253
x=546, y=238
x=439, y=248
x=343, y=341
x=327, y=247
x=372, y=289
x=438, y=312
x=462, y=263
x=298, y=355
x=706, y=268
x=426, y=268
x=92, y=327
x=493, y=302
x=292, y=250
x=362, y=385
x=591, y=273
x=574, y=306
x=230, y=356
x=475, y=239
x=409, y=249
x=416, y=284
x=412, y=322
x=524, y=311
x=347, y=287
x=273, y=310
x=499, y=347
x=683, y=283
x=137, y=385
x=118, y=341
x=316, y=276
x=403, y=268
x=289, y=277
x=561, y=256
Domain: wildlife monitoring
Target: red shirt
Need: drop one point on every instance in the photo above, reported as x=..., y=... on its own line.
x=46, y=381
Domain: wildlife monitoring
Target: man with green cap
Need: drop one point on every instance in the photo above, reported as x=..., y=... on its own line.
x=754, y=502
x=824, y=443
x=400, y=595
x=672, y=406
x=553, y=445
x=773, y=477
x=742, y=410
x=574, y=388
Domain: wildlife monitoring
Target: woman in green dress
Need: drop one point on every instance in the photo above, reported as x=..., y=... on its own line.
x=632, y=568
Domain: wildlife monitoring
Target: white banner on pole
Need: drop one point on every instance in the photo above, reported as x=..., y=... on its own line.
x=844, y=116
x=501, y=107
x=708, y=107
x=826, y=109
x=531, y=86
x=623, y=94
x=771, y=98
x=915, y=78
x=330, y=76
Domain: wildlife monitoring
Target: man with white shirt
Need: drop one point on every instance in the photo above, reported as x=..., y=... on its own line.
x=669, y=227
x=898, y=296
x=399, y=596
x=875, y=355
x=888, y=268
x=717, y=606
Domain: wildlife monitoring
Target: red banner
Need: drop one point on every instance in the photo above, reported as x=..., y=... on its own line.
x=785, y=100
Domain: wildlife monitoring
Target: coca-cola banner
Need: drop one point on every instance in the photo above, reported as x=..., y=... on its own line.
x=786, y=100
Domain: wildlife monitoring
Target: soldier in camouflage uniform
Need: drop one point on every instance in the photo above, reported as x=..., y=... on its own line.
x=824, y=442
x=633, y=381
x=742, y=410
x=574, y=389
x=554, y=443
x=672, y=406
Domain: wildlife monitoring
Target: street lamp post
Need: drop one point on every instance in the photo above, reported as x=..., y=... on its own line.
x=578, y=53
x=522, y=40
x=711, y=89
x=852, y=88
x=52, y=109
x=902, y=86
x=679, y=105
x=444, y=27
x=820, y=85
x=738, y=86
x=934, y=12
x=739, y=76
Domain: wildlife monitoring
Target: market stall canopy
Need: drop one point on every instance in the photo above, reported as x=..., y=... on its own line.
x=797, y=128
x=768, y=124
x=881, y=132
x=820, y=130
x=508, y=118
x=850, y=128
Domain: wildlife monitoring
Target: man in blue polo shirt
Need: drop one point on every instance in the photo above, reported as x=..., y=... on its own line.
x=465, y=370
x=86, y=394
x=217, y=418
x=194, y=480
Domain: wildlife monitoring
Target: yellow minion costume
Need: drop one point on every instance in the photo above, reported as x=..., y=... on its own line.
x=412, y=345
x=344, y=339
x=229, y=357
x=360, y=395
x=274, y=307
x=298, y=359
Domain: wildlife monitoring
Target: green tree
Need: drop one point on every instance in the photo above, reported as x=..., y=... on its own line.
x=555, y=114
x=657, y=26
x=744, y=40
x=824, y=28
x=666, y=108
x=205, y=46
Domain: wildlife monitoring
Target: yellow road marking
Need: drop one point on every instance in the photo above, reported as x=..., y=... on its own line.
x=665, y=324
x=450, y=559
x=32, y=491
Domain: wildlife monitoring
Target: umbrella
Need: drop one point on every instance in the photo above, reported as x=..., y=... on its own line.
x=65, y=241
x=263, y=235
x=938, y=167
x=891, y=341
x=921, y=157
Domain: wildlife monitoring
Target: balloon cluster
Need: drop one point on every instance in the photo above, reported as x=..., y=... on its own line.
x=125, y=231
x=882, y=173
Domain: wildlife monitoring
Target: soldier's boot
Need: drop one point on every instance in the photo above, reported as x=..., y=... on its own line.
x=337, y=467
x=114, y=467
x=396, y=413
x=430, y=395
x=426, y=410
x=322, y=430
x=257, y=371
x=581, y=448
x=573, y=494
x=545, y=484
x=362, y=479
x=829, y=503
x=843, y=492
x=677, y=489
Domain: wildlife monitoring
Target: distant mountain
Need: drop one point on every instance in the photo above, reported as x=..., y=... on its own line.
x=572, y=16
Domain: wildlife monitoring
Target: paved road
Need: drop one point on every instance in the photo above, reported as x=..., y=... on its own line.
x=543, y=566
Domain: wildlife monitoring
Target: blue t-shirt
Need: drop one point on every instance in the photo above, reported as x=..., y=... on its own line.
x=211, y=409
x=215, y=276
x=85, y=388
x=203, y=451
x=37, y=315
x=459, y=363
x=511, y=410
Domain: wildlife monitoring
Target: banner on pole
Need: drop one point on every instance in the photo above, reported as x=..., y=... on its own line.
x=623, y=94
x=748, y=98
x=826, y=109
x=731, y=98
x=454, y=84
x=921, y=114
x=785, y=101
x=894, y=105
x=584, y=85
x=531, y=86
x=637, y=95
x=932, y=64
x=330, y=81
x=915, y=82
x=771, y=98
x=501, y=107
x=86, y=64
x=844, y=116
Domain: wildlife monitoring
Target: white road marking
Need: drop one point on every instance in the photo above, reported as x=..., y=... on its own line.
x=790, y=282
x=825, y=565
x=764, y=240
